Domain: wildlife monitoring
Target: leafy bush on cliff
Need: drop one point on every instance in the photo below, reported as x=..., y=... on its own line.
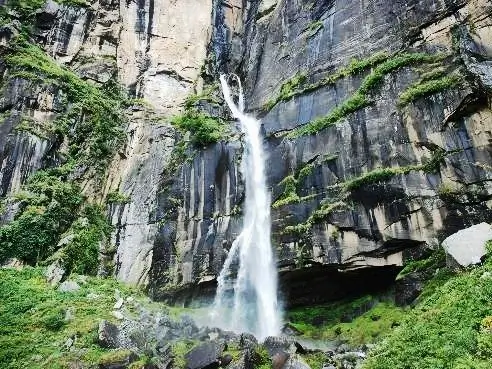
x=204, y=129
x=50, y=206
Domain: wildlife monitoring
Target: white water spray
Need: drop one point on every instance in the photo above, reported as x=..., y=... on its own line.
x=254, y=302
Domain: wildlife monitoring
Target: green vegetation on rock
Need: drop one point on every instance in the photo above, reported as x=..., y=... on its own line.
x=296, y=85
x=33, y=328
x=98, y=111
x=290, y=183
x=343, y=189
x=204, y=129
x=48, y=206
x=51, y=209
x=359, y=321
x=314, y=27
x=427, y=87
x=51, y=205
x=360, y=98
x=116, y=197
x=449, y=327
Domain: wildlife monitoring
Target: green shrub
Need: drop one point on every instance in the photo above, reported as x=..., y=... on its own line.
x=55, y=320
x=48, y=207
x=82, y=252
x=204, y=129
x=116, y=197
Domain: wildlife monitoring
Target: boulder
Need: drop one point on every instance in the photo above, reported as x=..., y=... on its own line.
x=225, y=360
x=206, y=355
x=279, y=360
x=108, y=334
x=467, y=247
x=296, y=363
x=54, y=273
x=69, y=286
x=275, y=344
x=13, y=263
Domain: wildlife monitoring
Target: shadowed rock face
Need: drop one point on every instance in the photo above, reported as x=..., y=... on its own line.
x=182, y=216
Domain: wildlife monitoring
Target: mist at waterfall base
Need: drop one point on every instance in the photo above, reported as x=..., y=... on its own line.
x=246, y=298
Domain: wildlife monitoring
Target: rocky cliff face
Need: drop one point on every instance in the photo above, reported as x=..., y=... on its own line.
x=377, y=120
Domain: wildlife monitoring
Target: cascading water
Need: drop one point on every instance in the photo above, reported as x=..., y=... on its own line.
x=255, y=308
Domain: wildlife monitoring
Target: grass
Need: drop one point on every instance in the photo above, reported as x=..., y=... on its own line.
x=360, y=98
x=32, y=325
x=427, y=87
x=359, y=321
x=449, y=327
x=33, y=328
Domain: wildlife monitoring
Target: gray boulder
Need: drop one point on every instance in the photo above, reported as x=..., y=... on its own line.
x=54, y=273
x=296, y=363
x=275, y=344
x=108, y=334
x=467, y=247
x=69, y=286
x=206, y=355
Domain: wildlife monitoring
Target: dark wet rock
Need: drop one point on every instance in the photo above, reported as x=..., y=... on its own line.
x=289, y=330
x=279, y=360
x=205, y=356
x=408, y=288
x=225, y=360
x=247, y=341
x=108, y=334
x=275, y=344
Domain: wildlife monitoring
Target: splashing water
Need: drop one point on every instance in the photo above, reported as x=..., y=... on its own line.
x=254, y=302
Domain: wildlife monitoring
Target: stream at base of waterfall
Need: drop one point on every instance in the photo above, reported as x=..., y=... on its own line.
x=246, y=298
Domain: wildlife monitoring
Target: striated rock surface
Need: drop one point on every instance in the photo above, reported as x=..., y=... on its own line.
x=360, y=222
x=370, y=161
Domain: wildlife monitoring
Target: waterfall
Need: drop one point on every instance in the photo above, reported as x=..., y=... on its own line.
x=253, y=307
